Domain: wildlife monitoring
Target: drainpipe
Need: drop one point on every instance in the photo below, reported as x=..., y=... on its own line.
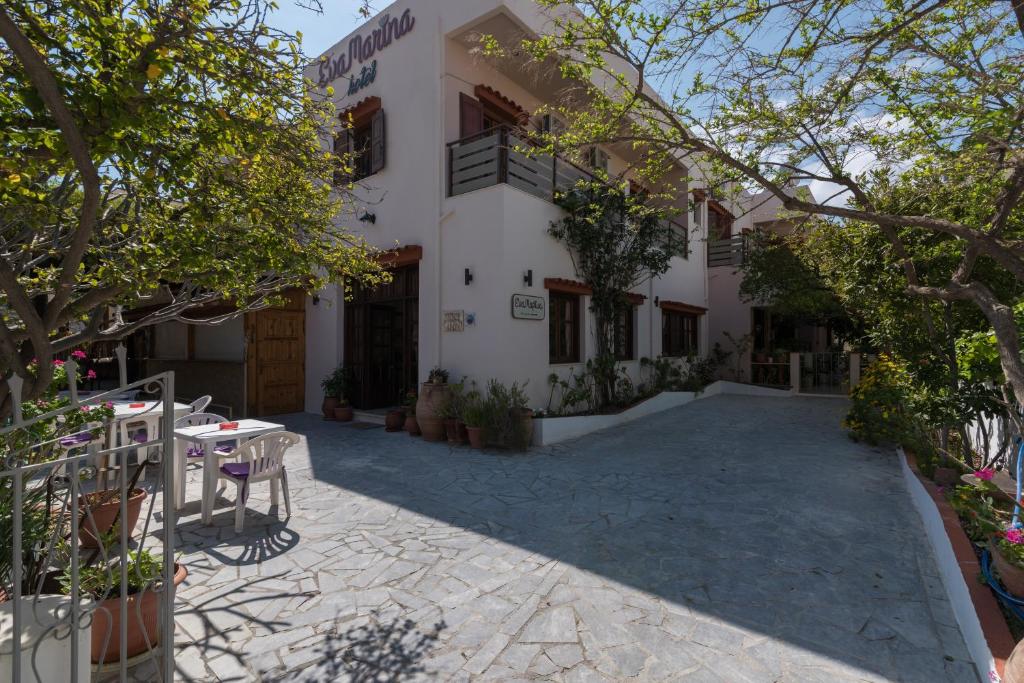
x=441, y=190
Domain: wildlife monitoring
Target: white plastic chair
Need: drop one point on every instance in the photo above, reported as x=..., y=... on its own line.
x=186, y=452
x=200, y=404
x=260, y=459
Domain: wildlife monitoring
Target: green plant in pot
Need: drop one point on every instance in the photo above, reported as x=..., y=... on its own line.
x=474, y=414
x=429, y=409
x=102, y=582
x=411, y=424
x=1008, y=557
x=335, y=386
x=451, y=411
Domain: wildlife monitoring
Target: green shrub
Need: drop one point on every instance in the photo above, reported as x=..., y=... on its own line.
x=879, y=405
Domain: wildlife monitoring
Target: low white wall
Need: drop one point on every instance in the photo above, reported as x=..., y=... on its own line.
x=735, y=388
x=952, y=577
x=551, y=430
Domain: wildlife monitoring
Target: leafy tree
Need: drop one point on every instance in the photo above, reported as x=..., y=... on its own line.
x=863, y=96
x=617, y=241
x=157, y=155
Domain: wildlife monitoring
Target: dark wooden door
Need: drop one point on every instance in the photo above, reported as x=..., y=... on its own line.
x=381, y=340
x=276, y=359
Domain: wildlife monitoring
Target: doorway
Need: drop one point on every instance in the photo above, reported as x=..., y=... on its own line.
x=382, y=340
x=275, y=358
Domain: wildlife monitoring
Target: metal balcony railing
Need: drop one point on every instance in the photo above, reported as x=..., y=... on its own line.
x=728, y=252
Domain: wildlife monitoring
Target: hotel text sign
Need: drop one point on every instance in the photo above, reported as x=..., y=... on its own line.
x=362, y=48
x=526, y=307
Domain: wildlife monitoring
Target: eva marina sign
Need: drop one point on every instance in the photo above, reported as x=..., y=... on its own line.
x=526, y=307
x=362, y=49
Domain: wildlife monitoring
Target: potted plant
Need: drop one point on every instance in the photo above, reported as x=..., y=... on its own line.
x=334, y=386
x=474, y=413
x=411, y=425
x=450, y=413
x=102, y=582
x=433, y=396
x=395, y=420
x=101, y=512
x=1008, y=557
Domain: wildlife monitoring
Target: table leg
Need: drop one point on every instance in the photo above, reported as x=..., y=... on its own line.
x=180, y=464
x=209, y=480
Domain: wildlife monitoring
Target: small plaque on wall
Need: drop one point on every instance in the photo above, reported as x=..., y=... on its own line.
x=454, y=321
x=526, y=307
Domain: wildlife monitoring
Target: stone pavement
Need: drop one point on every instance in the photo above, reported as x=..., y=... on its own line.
x=733, y=539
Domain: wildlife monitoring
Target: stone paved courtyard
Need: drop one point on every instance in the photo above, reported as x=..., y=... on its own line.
x=734, y=539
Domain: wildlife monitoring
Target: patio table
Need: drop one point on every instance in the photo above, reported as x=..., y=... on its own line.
x=208, y=436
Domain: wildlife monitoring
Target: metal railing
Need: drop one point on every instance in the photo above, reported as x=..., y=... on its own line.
x=728, y=252
x=504, y=155
x=824, y=373
x=76, y=579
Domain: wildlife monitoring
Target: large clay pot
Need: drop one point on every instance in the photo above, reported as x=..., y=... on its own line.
x=428, y=410
x=107, y=621
x=411, y=425
x=476, y=436
x=328, y=406
x=103, y=514
x=463, y=434
x=1011, y=575
x=395, y=421
x=1014, y=671
x=344, y=413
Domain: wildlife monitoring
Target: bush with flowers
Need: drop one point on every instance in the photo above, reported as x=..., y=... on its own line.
x=976, y=508
x=879, y=411
x=1011, y=546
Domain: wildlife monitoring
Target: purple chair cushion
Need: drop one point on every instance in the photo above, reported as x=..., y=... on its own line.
x=236, y=470
x=195, y=452
x=76, y=440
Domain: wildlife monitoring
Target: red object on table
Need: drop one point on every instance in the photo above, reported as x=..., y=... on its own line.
x=136, y=405
x=228, y=425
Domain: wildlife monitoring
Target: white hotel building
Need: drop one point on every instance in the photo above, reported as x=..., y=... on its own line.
x=465, y=220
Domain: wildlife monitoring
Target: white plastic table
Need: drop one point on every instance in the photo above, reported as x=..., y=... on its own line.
x=208, y=436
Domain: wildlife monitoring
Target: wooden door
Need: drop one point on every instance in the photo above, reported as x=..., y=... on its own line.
x=276, y=359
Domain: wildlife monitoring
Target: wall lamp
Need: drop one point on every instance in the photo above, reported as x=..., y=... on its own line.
x=528, y=278
x=469, y=276
x=368, y=217
x=656, y=300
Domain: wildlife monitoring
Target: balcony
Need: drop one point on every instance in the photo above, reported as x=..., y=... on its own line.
x=728, y=252
x=506, y=156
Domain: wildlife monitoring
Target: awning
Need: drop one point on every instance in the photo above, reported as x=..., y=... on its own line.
x=402, y=256
x=680, y=307
x=490, y=96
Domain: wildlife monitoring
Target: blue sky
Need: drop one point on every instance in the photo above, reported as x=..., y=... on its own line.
x=319, y=31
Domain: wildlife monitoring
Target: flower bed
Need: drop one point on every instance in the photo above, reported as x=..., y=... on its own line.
x=977, y=611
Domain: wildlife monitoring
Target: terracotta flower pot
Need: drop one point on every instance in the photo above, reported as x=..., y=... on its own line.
x=411, y=425
x=1014, y=671
x=1011, y=575
x=143, y=613
x=527, y=417
x=395, y=421
x=451, y=431
x=476, y=436
x=343, y=413
x=463, y=434
x=328, y=406
x=103, y=514
x=431, y=401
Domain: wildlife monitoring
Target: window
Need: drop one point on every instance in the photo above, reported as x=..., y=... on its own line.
x=678, y=334
x=363, y=138
x=564, y=327
x=624, y=333
x=719, y=222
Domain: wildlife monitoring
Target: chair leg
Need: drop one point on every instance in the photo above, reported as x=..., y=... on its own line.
x=239, y=509
x=274, y=495
x=284, y=486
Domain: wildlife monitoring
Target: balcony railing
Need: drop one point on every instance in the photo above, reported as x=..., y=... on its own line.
x=506, y=155
x=730, y=252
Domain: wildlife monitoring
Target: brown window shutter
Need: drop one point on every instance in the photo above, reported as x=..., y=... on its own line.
x=342, y=147
x=471, y=116
x=377, y=146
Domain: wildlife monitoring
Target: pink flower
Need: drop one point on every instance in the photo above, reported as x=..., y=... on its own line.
x=78, y=354
x=58, y=362
x=1015, y=536
x=91, y=374
x=86, y=409
x=985, y=474
x=109, y=404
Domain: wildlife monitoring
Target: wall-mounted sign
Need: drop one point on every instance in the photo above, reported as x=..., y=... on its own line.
x=526, y=307
x=453, y=321
x=362, y=48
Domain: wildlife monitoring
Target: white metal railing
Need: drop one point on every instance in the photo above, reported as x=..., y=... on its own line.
x=832, y=373
x=48, y=471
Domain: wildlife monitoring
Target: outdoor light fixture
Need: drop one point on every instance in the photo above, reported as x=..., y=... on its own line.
x=469, y=276
x=368, y=217
x=656, y=299
x=316, y=301
x=528, y=278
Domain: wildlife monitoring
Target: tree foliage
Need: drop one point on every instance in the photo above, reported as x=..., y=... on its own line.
x=155, y=154
x=617, y=241
x=868, y=98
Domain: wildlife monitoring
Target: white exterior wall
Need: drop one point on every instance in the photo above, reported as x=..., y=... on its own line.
x=498, y=232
